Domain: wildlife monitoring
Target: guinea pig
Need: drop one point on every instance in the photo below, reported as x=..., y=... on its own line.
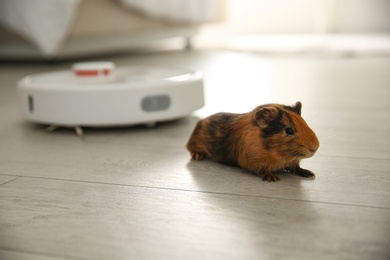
x=271, y=138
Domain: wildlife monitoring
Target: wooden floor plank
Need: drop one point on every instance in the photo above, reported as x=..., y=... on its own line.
x=73, y=219
x=366, y=180
x=335, y=183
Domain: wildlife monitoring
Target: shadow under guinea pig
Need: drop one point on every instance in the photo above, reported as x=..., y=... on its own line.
x=210, y=176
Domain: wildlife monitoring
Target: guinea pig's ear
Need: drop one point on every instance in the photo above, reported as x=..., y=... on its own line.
x=298, y=107
x=265, y=115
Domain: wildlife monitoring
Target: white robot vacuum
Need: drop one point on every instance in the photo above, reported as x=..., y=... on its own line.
x=96, y=94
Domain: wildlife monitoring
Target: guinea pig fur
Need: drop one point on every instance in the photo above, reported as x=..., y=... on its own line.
x=271, y=138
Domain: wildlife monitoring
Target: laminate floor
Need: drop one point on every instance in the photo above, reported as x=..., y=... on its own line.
x=134, y=193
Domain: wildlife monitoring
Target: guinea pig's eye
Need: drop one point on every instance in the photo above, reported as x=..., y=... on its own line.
x=289, y=131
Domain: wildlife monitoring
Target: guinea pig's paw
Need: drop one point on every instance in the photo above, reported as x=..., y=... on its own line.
x=270, y=177
x=305, y=173
x=197, y=156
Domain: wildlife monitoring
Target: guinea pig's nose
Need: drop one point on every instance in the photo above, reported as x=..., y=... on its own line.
x=313, y=149
x=314, y=146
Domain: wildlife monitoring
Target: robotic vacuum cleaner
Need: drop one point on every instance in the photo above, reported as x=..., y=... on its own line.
x=96, y=94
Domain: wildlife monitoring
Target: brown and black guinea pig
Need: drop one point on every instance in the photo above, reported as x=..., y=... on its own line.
x=271, y=138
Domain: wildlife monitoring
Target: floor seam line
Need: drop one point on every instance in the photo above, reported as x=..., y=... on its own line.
x=206, y=192
x=14, y=179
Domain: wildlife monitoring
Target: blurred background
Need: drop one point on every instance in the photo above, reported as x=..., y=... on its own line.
x=45, y=29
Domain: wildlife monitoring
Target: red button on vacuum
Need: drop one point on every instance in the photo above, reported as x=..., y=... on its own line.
x=93, y=69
